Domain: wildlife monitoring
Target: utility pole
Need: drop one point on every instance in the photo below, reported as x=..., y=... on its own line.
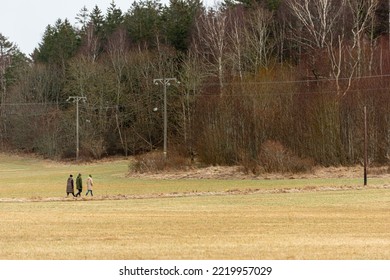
x=165, y=82
x=77, y=99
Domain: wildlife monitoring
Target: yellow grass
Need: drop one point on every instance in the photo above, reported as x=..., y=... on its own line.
x=324, y=224
x=328, y=225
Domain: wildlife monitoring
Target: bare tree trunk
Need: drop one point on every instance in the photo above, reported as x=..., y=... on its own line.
x=191, y=79
x=212, y=36
x=257, y=38
x=237, y=42
x=118, y=52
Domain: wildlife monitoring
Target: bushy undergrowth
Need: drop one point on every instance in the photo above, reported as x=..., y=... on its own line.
x=156, y=162
x=274, y=157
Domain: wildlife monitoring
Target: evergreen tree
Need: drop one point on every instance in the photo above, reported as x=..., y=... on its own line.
x=114, y=18
x=11, y=60
x=382, y=14
x=97, y=20
x=83, y=18
x=59, y=43
x=7, y=51
x=179, y=20
x=143, y=21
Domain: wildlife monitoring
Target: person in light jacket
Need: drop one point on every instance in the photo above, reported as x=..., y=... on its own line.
x=89, y=185
x=79, y=185
x=70, y=186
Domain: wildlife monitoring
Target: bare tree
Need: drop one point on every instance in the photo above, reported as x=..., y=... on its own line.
x=98, y=84
x=335, y=29
x=212, y=36
x=92, y=43
x=258, y=41
x=143, y=123
x=363, y=13
x=319, y=29
x=317, y=19
x=192, y=76
x=236, y=39
x=350, y=56
x=250, y=45
x=118, y=52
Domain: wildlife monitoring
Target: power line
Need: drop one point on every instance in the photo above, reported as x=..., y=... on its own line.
x=299, y=81
x=238, y=83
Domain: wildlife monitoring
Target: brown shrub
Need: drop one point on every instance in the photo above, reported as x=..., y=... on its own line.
x=274, y=157
x=155, y=162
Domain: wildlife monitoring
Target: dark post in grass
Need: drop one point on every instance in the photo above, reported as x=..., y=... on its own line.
x=365, y=145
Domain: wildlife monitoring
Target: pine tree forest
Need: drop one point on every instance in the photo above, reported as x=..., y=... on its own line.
x=245, y=81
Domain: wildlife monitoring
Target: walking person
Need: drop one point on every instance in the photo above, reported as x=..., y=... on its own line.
x=70, y=186
x=89, y=185
x=79, y=185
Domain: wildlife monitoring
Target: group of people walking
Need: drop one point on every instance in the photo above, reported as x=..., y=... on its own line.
x=79, y=185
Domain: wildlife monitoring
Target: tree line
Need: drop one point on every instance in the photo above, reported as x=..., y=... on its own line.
x=287, y=77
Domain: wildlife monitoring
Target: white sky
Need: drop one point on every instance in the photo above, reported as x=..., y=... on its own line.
x=23, y=22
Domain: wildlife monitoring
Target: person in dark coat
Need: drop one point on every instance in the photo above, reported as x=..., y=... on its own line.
x=70, y=186
x=79, y=185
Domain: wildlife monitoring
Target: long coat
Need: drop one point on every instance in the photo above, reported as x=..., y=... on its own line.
x=70, y=185
x=79, y=183
x=89, y=183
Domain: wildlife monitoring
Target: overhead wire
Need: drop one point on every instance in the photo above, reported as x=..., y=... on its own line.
x=242, y=94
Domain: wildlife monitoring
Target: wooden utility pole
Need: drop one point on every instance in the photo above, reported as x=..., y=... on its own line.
x=77, y=99
x=165, y=82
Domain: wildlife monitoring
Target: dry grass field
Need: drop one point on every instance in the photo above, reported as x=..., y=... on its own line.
x=145, y=217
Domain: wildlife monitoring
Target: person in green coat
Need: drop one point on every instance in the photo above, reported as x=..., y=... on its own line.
x=79, y=184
